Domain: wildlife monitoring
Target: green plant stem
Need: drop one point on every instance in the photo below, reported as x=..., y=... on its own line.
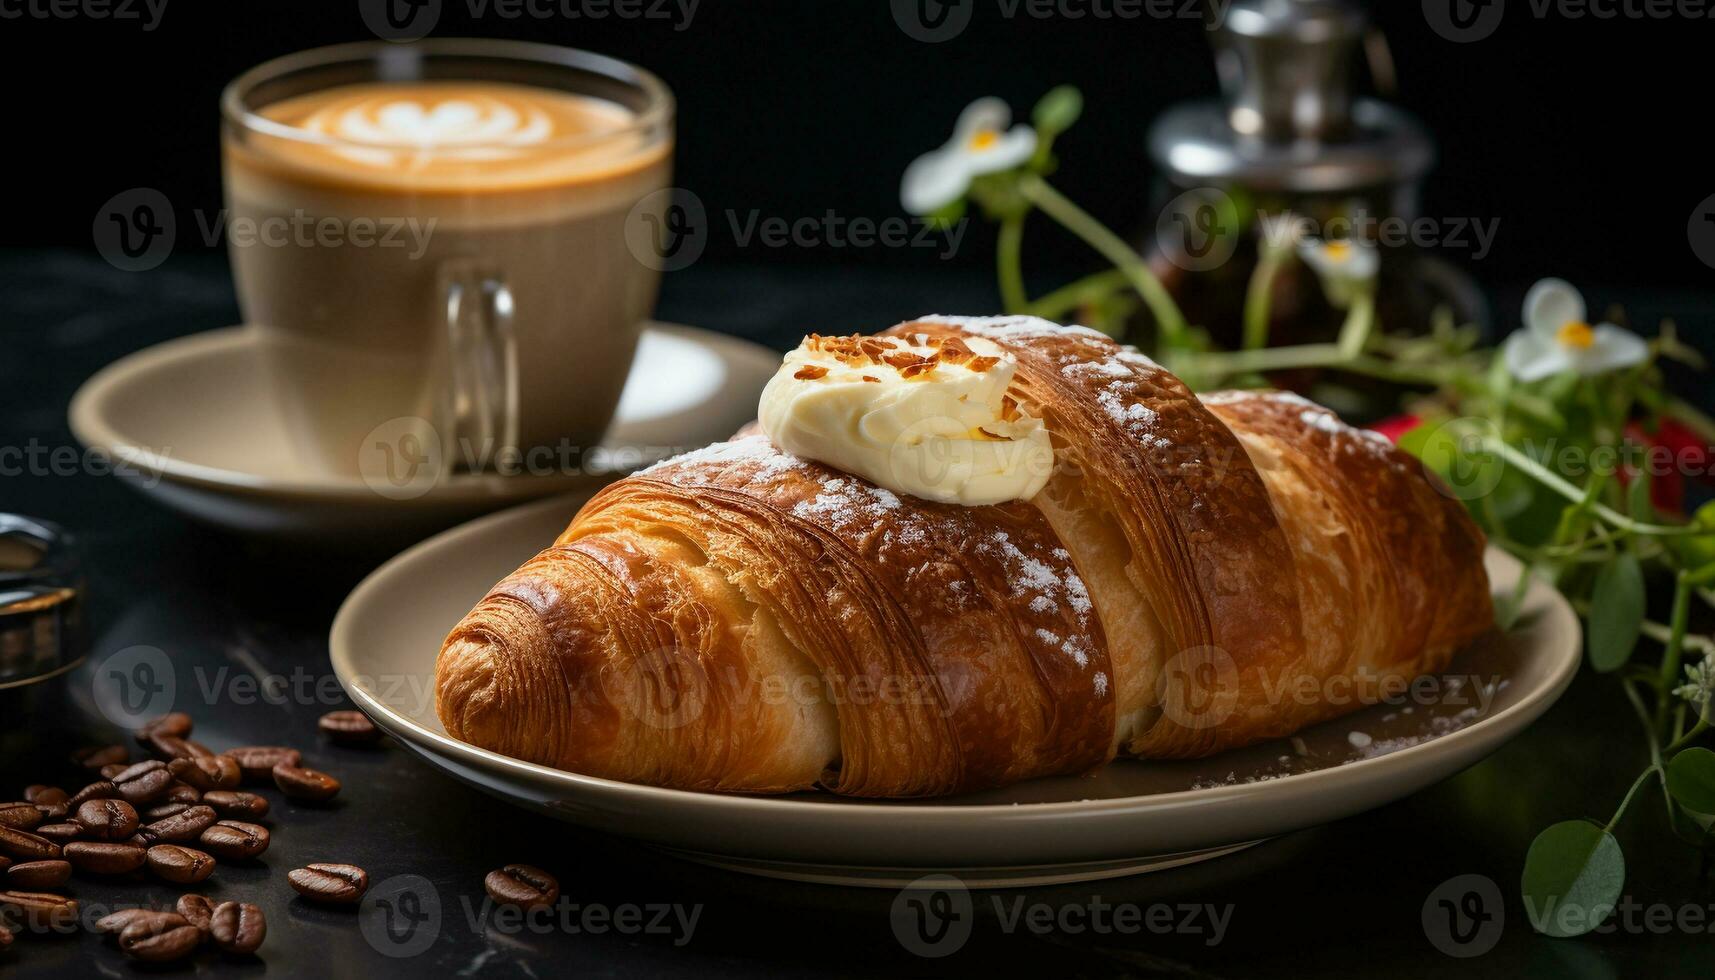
x=1077, y=293
x=1259, y=295
x=1168, y=318
x=1627, y=800
x=1689, y=737
x=1692, y=418
x=1554, y=481
x=1360, y=321
x=1009, y=263
x=1675, y=644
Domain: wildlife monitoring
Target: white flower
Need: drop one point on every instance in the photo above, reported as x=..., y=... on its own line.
x=981, y=144
x=1345, y=267
x=1557, y=337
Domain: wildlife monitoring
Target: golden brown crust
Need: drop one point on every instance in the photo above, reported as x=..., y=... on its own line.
x=956, y=645
x=1198, y=574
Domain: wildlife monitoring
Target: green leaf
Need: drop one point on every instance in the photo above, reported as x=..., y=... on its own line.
x=1697, y=550
x=1057, y=111
x=1616, y=612
x=1572, y=878
x=1692, y=828
x=947, y=215
x=1691, y=779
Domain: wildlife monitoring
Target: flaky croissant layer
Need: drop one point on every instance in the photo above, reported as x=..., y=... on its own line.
x=1197, y=574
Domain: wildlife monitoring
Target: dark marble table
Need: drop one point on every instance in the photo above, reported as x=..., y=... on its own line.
x=1347, y=899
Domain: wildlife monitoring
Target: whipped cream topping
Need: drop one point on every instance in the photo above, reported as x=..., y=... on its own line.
x=912, y=414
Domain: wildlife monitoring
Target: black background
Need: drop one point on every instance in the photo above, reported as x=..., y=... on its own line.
x=1583, y=136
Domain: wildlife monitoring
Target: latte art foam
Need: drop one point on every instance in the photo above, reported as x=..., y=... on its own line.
x=433, y=130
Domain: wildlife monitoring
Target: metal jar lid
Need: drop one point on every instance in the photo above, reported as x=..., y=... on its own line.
x=1288, y=121
x=41, y=588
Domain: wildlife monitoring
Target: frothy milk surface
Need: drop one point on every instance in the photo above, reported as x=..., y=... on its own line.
x=451, y=137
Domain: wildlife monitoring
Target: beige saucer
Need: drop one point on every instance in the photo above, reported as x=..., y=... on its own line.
x=189, y=423
x=1134, y=816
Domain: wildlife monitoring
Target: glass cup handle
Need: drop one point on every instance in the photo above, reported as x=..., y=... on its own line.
x=481, y=409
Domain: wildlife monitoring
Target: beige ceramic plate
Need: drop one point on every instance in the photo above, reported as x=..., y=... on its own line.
x=191, y=421
x=1134, y=816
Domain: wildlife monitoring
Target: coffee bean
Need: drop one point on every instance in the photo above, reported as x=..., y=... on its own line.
x=162, y=811
x=45, y=794
x=179, y=865
x=238, y=927
x=257, y=762
x=113, y=769
x=212, y=772
x=160, y=938
x=20, y=816
x=5, y=862
x=5, y=937
x=26, y=846
x=143, y=783
x=38, y=910
x=522, y=885
x=37, y=875
x=184, y=826
x=237, y=803
x=107, y=819
x=307, y=785
x=182, y=793
x=96, y=756
x=348, y=728
x=105, y=857
x=335, y=884
x=101, y=789
x=177, y=724
x=234, y=840
x=59, y=833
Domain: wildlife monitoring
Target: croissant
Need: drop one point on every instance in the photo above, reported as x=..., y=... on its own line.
x=1196, y=574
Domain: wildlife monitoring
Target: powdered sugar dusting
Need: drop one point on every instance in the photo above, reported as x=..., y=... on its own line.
x=1002, y=328
x=1048, y=589
x=747, y=449
x=1321, y=419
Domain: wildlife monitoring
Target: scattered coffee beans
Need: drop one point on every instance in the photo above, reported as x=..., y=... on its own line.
x=178, y=725
x=105, y=857
x=179, y=865
x=107, y=819
x=348, y=728
x=238, y=927
x=25, y=846
x=38, y=910
x=144, y=782
x=160, y=938
x=37, y=875
x=234, y=840
x=257, y=762
x=335, y=884
x=20, y=816
x=97, y=756
x=59, y=833
x=236, y=803
x=197, y=910
x=207, y=772
x=45, y=794
x=303, y=784
x=183, y=826
x=101, y=789
x=522, y=885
